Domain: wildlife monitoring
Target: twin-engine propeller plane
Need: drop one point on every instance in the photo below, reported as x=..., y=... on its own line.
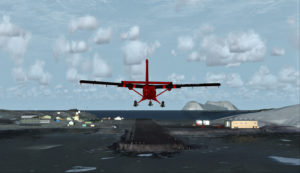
x=149, y=87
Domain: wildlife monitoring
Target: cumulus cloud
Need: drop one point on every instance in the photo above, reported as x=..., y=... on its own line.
x=103, y=36
x=173, y=52
x=176, y=77
x=83, y=23
x=136, y=51
x=277, y=52
x=136, y=71
x=289, y=75
x=295, y=33
x=8, y=29
x=71, y=51
x=210, y=77
x=287, y=80
x=203, y=30
x=236, y=48
x=263, y=79
x=290, y=20
x=194, y=56
x=62, y=46
x=232, y=80
x=185, y=43
x=36, y=72
x=132, y=34
x=14, y=40
x=100, y=67
x=72, y=75
x=19, y=74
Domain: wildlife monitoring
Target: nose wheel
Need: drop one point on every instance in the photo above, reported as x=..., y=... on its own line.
x=162, y=104
x=135, y=103
x=150, y=103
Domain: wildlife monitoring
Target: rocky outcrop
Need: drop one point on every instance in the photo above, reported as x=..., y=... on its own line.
x=210, y=105
x=193, y=105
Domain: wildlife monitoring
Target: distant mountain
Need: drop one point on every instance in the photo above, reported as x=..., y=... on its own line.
x=210, y=105
x=193, y=105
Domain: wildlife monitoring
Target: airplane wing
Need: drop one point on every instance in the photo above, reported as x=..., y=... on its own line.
x=134, y=85
x=118, y=84
x=188, y=85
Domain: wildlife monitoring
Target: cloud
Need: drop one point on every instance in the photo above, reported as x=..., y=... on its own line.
x=180, y=4
x=173, y=52
x=62, y=46
x=71, y=51
x=132, y=34
x=295, y=33
x=83, y=23
x=14, y=40
x=289, y=75
x=8, y=29
x=287, y=80
x=232, y=80
x=19, y=74
x=185, y=43
x=263, y=79
x=203, y=30
x=210, y=77
x=176, y=77
x=277, y=52
x=36, y=72
x=194, y=56
x=136, y=71
x=100, y=67
x=136, y=51
x=290, y=20
x=103, y=36
x=72, y=75
x=236, y=48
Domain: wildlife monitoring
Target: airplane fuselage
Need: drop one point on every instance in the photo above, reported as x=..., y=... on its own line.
x=149, y=92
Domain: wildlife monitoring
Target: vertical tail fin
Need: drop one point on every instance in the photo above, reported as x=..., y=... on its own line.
x=147, y=77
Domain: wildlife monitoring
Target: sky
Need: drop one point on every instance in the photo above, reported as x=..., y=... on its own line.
x=251, y=47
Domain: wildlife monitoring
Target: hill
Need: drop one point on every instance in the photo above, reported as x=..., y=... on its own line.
x=210, y=105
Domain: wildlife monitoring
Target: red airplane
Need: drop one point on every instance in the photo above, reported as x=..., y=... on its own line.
x=149, y=87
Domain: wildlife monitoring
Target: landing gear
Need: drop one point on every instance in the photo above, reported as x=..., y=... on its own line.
x=150, y=103
x=135, y=103
x=162, y=104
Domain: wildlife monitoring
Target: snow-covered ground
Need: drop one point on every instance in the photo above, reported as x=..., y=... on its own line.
x=286, y=116
x=210, y=105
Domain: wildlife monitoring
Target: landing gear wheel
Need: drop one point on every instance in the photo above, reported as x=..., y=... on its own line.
x=162, y=104
x=135, y=104
x=150, y=103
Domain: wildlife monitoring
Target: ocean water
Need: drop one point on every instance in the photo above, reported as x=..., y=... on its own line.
x=88, y=152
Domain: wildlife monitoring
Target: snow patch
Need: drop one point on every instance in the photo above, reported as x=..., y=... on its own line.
x=43, y=147
x=81, y=169
x=286, y=160
x=286, y=116
x=145, y=155
x=106, y=158
x=285, y=140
